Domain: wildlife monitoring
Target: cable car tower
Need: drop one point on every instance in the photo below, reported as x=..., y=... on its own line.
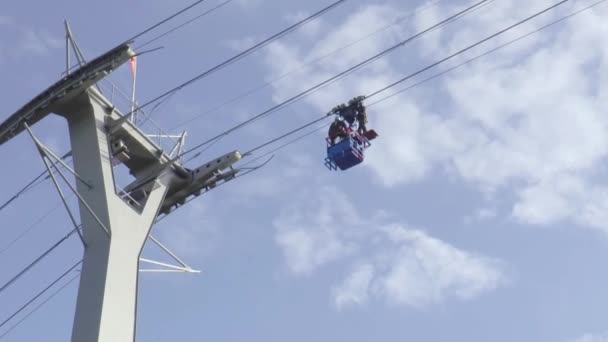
x=115, y=223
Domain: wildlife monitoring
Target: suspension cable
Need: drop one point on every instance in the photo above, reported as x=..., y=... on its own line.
x=207, y=12
x=306, y=64
x=470, y=47
x=418, y=72
x=24, y=306
x=314, y=61
x=29, y=185
x=29, y=229
x=270, y=142
x=491, y=51
x=240, y=55
x=37, y=260
x=502, y=46
x=349, y=70
x=372, y=94
x=23, y=190
x=165, y=20
x=314, y=88
x=35, y=309
x=288, y=143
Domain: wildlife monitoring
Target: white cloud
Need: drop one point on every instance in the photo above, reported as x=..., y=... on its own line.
x=317, y=233
x=423, y=270
x=486, y=213
x=592, y=338
x=311, y=28
x=292, y=56
x=397, y=264
x=20, y=41
x=417, y=270
x=241, y=44
x=307, y=250
x=521, y=120
x=567, y=198
x=249, y=4
x=548, y=202
x=355, y=289
x=38, y=43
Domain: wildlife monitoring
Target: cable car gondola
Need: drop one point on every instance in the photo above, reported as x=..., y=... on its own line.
x=349, y=150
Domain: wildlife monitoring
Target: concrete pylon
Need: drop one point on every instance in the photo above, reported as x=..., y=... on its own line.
x=114, y=228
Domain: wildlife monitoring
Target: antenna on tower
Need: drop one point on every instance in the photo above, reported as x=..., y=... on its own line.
x=70, y=44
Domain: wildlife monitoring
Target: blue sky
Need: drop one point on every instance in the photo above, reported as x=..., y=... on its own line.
x=478, y=215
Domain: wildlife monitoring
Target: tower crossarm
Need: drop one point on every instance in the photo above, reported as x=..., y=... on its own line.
x=63, y=90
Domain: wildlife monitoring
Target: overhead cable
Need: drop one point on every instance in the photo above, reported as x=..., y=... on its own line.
x=491, y=51
x=349, y=70
x=187, y=8
x=240, y=55
x=290, y=142
x=470, y=47
x=36, y=261
x=24, y=306
x=307, y=64
x=436, y=75
x=30, y=185
x=29, y=229
x=37, y=307
x=207, y=12
x=169, y=94
x=281, y=137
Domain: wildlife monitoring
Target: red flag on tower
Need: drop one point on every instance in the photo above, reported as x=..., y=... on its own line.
x=133, y=63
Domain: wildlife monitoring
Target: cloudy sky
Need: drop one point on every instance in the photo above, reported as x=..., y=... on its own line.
x=480, y=213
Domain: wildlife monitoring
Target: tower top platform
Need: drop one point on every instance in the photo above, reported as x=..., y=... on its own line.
x=64, y=89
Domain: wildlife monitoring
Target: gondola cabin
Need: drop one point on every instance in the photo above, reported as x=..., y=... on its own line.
x=349, y=151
